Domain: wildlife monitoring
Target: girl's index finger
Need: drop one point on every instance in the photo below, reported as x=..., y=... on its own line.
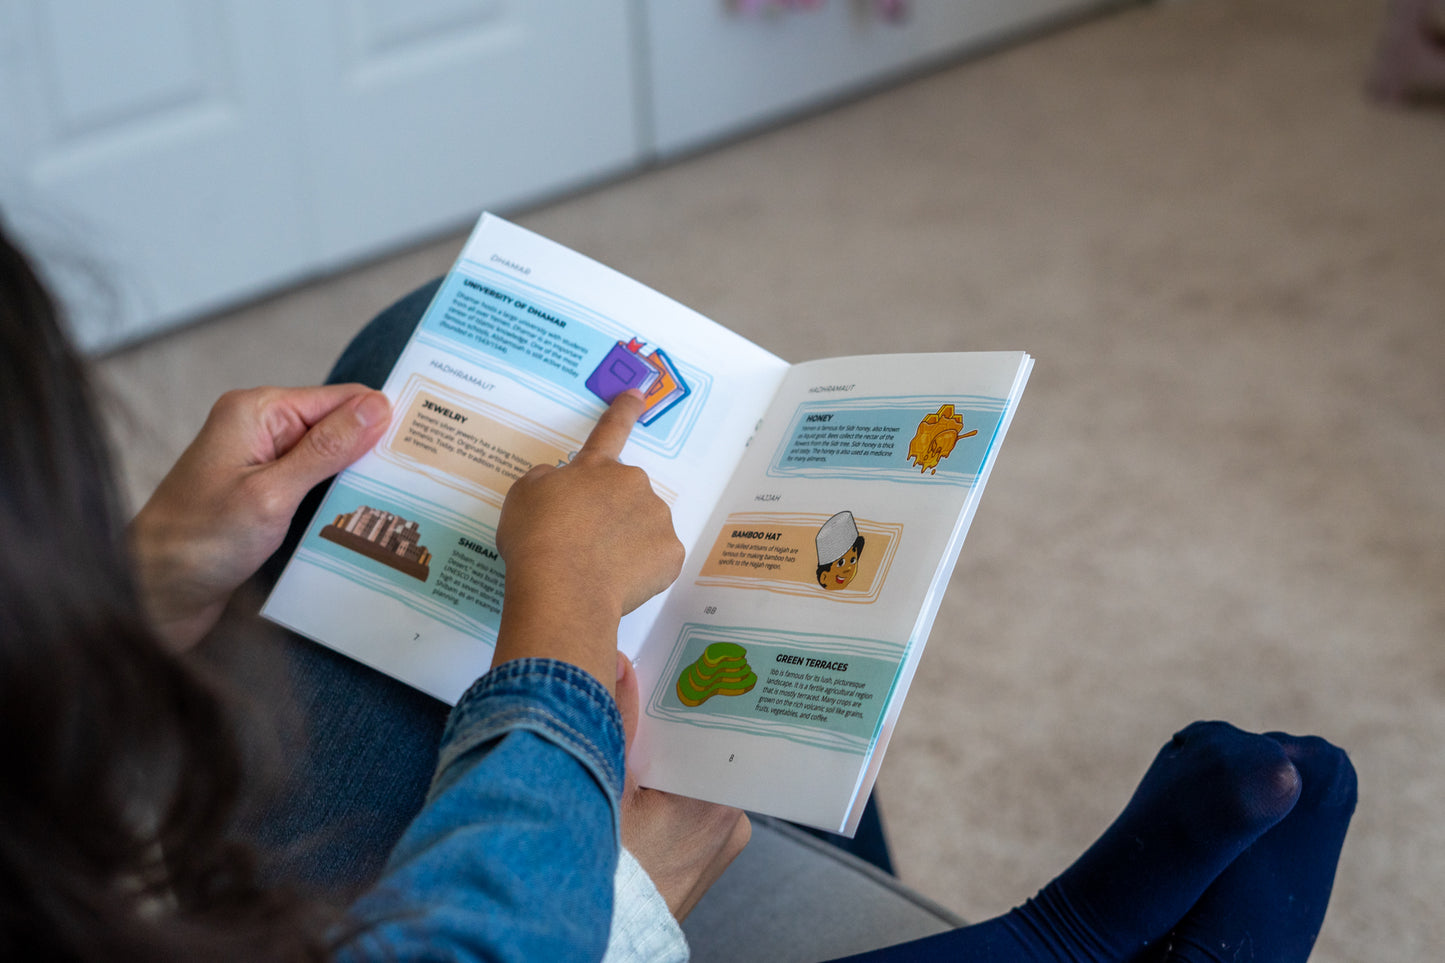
x=615, y=426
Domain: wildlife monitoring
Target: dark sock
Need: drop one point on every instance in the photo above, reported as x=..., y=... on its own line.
x=1268, y=905
x=1211, y=792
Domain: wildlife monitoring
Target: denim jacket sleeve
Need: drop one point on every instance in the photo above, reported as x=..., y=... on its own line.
x=513, y=855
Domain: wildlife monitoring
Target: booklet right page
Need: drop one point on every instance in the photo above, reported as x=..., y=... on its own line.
x=774, y=674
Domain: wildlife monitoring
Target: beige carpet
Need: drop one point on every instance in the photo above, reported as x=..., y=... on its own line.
x=1224, y=493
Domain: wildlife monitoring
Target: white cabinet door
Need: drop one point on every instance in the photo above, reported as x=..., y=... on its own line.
x=418, y=114
x=716, y=70
x=138, y=142
x=194, y=154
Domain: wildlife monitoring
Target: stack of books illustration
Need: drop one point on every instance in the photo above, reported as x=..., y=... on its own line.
x=626, y=366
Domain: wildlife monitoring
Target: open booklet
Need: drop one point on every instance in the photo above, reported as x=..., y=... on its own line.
x=822, y=505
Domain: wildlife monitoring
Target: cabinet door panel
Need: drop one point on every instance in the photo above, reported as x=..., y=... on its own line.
x=419, y=115
x=138, y=141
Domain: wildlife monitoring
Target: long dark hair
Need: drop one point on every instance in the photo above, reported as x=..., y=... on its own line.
x=121, y=772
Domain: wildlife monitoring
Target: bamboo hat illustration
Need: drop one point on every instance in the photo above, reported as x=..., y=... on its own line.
x=835, y=537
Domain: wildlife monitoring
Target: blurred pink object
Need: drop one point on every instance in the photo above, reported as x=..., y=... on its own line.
x=894, y=10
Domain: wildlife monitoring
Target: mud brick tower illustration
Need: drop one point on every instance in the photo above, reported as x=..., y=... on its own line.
x=383, y=537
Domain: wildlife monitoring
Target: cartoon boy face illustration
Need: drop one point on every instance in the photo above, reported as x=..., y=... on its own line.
x=840, y=573
x=839, y=548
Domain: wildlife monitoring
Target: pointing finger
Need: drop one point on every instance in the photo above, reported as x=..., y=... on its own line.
x=615, y=426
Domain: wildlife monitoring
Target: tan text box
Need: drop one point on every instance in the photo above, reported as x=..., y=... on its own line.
x=467, y=444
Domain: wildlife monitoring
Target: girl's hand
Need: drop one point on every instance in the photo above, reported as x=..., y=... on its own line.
x=684, y=844
x=584, y=544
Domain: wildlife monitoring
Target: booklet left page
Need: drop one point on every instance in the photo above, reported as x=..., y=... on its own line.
x=511, y=365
